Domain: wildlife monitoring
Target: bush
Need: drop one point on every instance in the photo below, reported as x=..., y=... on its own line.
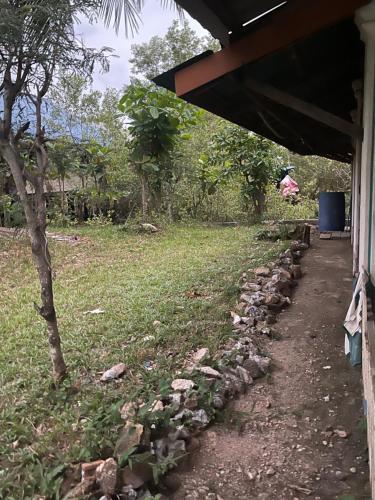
x=279, y=208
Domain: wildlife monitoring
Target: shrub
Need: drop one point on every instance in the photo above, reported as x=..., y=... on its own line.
x=279, y=208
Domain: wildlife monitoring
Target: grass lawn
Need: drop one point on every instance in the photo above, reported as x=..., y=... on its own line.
x=185, y=277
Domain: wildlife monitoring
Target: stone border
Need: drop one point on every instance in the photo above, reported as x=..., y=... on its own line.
x=146, y=451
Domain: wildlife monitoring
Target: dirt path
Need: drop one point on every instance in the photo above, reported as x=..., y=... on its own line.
x=279, y=441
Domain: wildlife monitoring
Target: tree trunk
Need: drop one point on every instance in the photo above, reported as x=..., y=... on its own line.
x=63, y=196
x=259, y=201
x=145, y=197
x=36, y=222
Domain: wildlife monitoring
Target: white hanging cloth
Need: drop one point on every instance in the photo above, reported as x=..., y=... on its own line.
x=357, y=309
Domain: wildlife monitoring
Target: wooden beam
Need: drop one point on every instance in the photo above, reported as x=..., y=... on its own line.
x=305, y=108
x=294, y=22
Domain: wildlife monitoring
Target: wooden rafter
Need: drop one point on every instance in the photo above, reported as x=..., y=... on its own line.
x=305, y=108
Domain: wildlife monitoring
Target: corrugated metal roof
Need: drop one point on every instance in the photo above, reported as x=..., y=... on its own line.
x=226, y=19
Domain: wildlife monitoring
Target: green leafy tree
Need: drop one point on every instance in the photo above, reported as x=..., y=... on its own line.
x=236, y=152
x=162, y=53
x=157, y=118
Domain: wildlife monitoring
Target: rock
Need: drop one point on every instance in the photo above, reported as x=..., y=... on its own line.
x=139, y=474
x=271, y=318
x=129, y=478
x=182, y=384
x=128, y=493
x=175, y=400
x=128, y=411
x=160, y=447
x=172, y=482
x=296, y=271
x=251, y=287
x=184, y=414
x=239, y=359
x=270, y=472
x=106, y=476
x=200, y=355
x=236, y=318
x=114, y=372
x=244, y=375
x=88, y=469
x=233, y=385
x=191, y=403
x=341, y=433
x=200, y=418
x=218, y=402
x=148, y=338
x=177, y=448
x=181, y=432
x=149, y=228
x=193, y=445
x=209, y=372
x=341, y=476
x=81, y=489
x=251, y=475
x=272, y=299
x=157, y=406
x=353, y=470
x=262, y=271
x=130, y=437
x=256, y=366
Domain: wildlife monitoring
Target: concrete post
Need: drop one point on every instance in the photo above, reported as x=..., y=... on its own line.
x=356, y=175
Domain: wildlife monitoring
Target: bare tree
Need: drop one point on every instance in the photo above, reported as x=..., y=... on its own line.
x=36, y=39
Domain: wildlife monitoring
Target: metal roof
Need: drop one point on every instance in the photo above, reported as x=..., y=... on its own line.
x=225, y=19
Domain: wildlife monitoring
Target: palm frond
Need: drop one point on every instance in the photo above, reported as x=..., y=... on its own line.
x=114, y=11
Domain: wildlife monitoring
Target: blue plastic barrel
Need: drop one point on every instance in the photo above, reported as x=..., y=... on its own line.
x=331, y=211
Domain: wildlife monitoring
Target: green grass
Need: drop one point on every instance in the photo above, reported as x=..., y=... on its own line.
x=186, y=277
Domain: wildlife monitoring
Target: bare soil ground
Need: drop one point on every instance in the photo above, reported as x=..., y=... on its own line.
x=279, y=440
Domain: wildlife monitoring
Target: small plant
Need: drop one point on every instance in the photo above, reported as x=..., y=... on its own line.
x=101, y=219
x=160, y=468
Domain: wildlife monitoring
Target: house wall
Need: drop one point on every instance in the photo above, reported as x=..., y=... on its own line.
x=364, y=224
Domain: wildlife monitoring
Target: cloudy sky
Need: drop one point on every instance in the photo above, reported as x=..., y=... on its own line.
x=155, y=21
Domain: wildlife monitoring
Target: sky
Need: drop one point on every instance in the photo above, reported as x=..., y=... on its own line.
x=155, y=21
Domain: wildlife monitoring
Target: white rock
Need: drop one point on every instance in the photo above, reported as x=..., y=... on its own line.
x=236, y=318
x=210, y=372
x=157, y=406
x=200, y=355
x=150, y=228
x=114, y=372
x=200, y=417
x=244, y=375
x=128, y=411
x=95, y=311
x=182, y=384
x=341, y=433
